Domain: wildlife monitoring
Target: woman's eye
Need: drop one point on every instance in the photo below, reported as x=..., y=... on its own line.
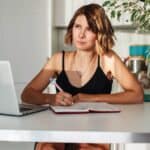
x=77, y=26
x=89, y=29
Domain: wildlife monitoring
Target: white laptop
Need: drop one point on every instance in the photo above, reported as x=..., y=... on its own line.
x=9, y=104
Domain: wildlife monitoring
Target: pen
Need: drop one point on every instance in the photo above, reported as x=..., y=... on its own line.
x=53, y=81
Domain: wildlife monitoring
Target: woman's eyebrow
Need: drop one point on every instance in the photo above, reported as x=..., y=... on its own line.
x=77, y=23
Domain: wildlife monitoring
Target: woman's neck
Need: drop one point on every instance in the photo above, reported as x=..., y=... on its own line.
x=83, y=61
x=84, y=55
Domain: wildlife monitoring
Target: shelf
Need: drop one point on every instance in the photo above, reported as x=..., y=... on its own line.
x=124, y=27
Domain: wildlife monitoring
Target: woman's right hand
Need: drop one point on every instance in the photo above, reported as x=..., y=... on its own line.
x=63, y=98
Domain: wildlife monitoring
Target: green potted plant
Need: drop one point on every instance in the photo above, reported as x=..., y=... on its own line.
x=138, y=11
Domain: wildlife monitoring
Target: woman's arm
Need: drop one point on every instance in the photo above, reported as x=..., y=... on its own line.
x=133, y=92
x=33, y=92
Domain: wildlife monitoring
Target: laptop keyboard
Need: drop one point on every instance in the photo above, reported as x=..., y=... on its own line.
x=22, y=109
x=30, y=108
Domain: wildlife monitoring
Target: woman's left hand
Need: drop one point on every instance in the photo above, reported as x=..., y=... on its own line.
x=77, y=98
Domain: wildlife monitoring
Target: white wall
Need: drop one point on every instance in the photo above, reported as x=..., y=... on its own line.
x=25, y=37
x=25, y=40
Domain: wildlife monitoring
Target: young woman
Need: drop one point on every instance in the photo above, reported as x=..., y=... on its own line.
x=85, y=74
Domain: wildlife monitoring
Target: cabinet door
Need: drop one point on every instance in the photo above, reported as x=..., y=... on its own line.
x=64, y=10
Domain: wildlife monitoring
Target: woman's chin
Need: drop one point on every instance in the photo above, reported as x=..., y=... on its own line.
x=83, y=48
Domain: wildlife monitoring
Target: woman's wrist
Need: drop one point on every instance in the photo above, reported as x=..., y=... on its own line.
x=82, y=97
x=50, y=99
x=79, y=97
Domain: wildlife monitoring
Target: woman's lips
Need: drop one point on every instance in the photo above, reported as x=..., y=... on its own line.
x=81, y=42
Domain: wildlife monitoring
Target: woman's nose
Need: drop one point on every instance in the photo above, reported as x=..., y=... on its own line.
x=82, y=33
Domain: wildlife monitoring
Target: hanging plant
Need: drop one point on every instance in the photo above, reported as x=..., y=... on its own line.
x=139, y=11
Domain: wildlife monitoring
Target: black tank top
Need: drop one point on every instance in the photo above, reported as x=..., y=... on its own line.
x=98, y=84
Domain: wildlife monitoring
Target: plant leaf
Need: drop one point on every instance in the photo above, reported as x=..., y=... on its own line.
x=133, y=15
x=125, y=4
x=113, y=13
x=118, y=15
x=106, y=3
x=139, y=11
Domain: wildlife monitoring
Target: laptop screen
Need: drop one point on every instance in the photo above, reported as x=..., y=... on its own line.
x=9, y=104
x=8, y=98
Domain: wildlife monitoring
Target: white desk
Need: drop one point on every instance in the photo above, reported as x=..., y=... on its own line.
x=131, y=125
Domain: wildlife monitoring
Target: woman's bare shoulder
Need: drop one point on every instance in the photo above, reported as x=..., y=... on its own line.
x=110, y=61
x=55, y=61
x=69, y=55
x=112, y=56
x=59, y=53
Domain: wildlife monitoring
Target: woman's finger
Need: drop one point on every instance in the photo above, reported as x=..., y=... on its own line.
x=63, y=98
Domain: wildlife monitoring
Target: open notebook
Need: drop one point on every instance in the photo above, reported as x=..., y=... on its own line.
x=86, y=107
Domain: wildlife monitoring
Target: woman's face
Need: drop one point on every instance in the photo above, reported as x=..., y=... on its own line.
x=83, y=37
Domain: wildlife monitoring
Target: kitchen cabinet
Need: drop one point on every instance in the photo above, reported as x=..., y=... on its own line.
x=64, y=10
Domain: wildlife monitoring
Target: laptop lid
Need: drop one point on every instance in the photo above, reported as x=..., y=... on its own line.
x=9, y=103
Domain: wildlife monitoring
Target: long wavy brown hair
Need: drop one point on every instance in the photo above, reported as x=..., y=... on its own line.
x=98, y=23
